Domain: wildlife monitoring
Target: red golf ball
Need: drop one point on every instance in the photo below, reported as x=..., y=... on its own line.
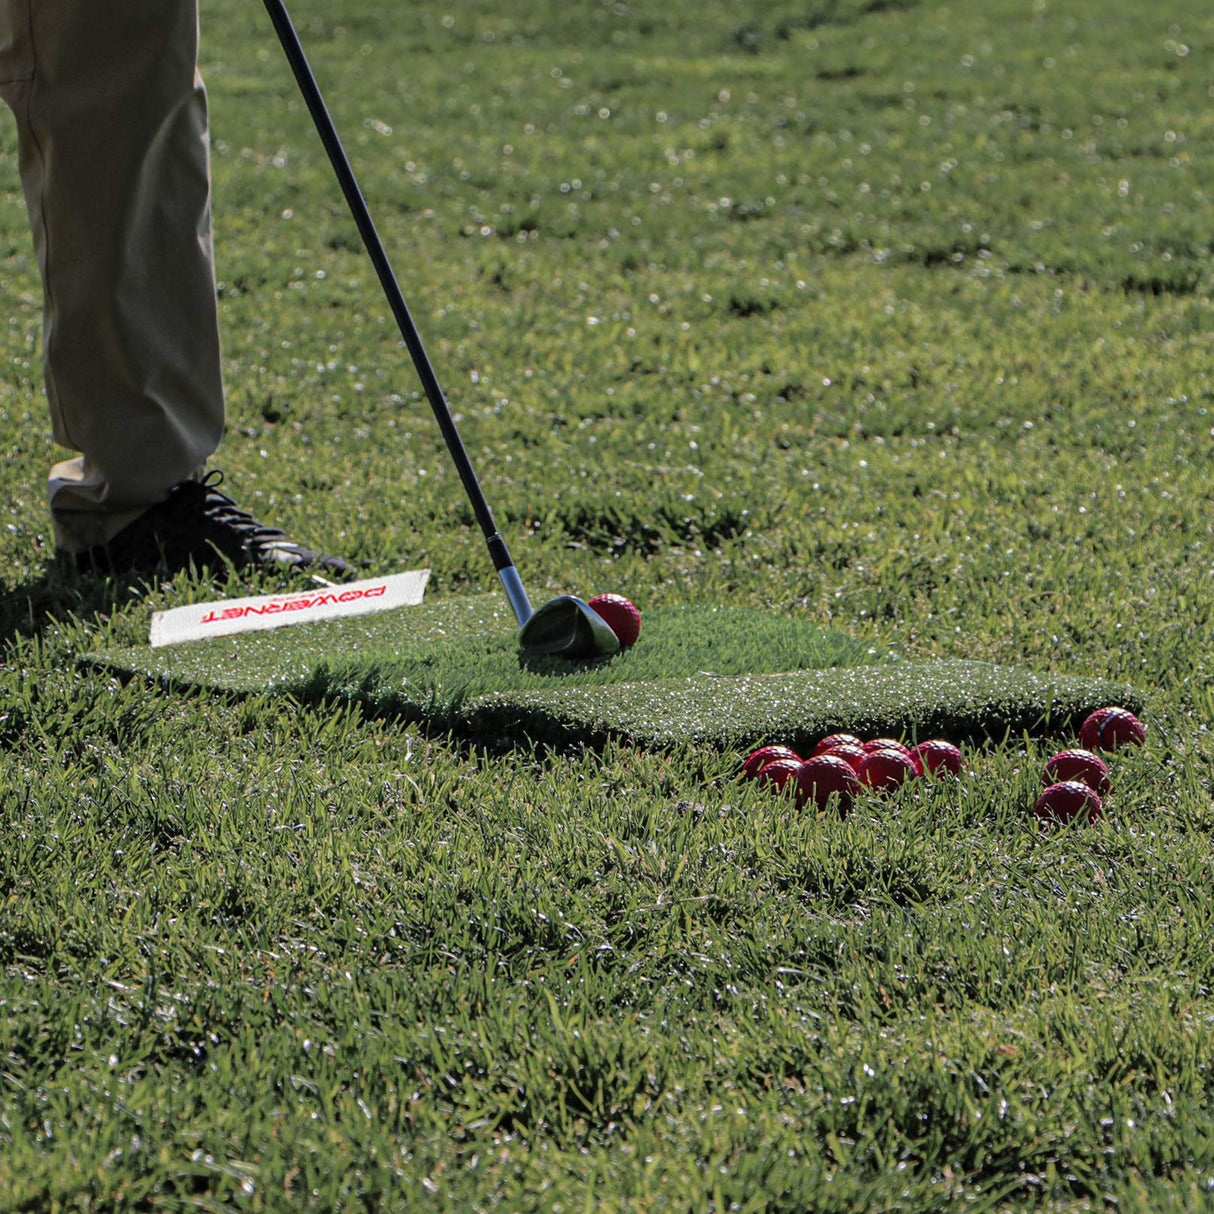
x=759, y=759
x=832, y=740
x=852, y=752
x=885, y=769
x=1081, y=765
x=887, y=744
x=620, y=615
x=1109, y=728
x=1089, y=731
x=937, y=757
x=777, y=774
x=1067, y=800
x=821, y=777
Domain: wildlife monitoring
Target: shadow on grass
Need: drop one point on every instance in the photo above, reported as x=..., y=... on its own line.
x=62, y=596
x=551, y=667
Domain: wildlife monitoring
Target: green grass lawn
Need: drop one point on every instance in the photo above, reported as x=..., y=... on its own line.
x=885, y=318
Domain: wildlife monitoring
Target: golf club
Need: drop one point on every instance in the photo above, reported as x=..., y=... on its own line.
x=564, y=626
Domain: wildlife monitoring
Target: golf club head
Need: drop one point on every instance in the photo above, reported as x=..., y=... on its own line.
x=565, y=627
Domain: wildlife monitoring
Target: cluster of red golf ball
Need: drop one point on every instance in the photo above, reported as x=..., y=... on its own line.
x=1075, y=780
x=842, y=764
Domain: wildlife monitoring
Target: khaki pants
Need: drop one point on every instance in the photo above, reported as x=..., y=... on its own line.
x=112, y=135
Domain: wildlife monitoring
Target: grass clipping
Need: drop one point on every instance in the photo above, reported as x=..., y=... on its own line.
x=720, y=677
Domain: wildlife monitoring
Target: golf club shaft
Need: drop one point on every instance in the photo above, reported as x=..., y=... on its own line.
x=502, y=562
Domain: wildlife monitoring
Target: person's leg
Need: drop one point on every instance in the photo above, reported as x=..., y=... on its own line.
x=115, y=164
x=112, y=131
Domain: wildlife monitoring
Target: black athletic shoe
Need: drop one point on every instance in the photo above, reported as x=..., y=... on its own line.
x=196, y=524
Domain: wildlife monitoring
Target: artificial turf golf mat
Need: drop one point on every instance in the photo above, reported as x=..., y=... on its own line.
x=721, y=677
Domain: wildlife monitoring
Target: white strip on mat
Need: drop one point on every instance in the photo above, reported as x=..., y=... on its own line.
x=227, y=616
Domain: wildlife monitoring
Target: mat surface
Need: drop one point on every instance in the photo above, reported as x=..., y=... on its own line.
x=719, y=677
